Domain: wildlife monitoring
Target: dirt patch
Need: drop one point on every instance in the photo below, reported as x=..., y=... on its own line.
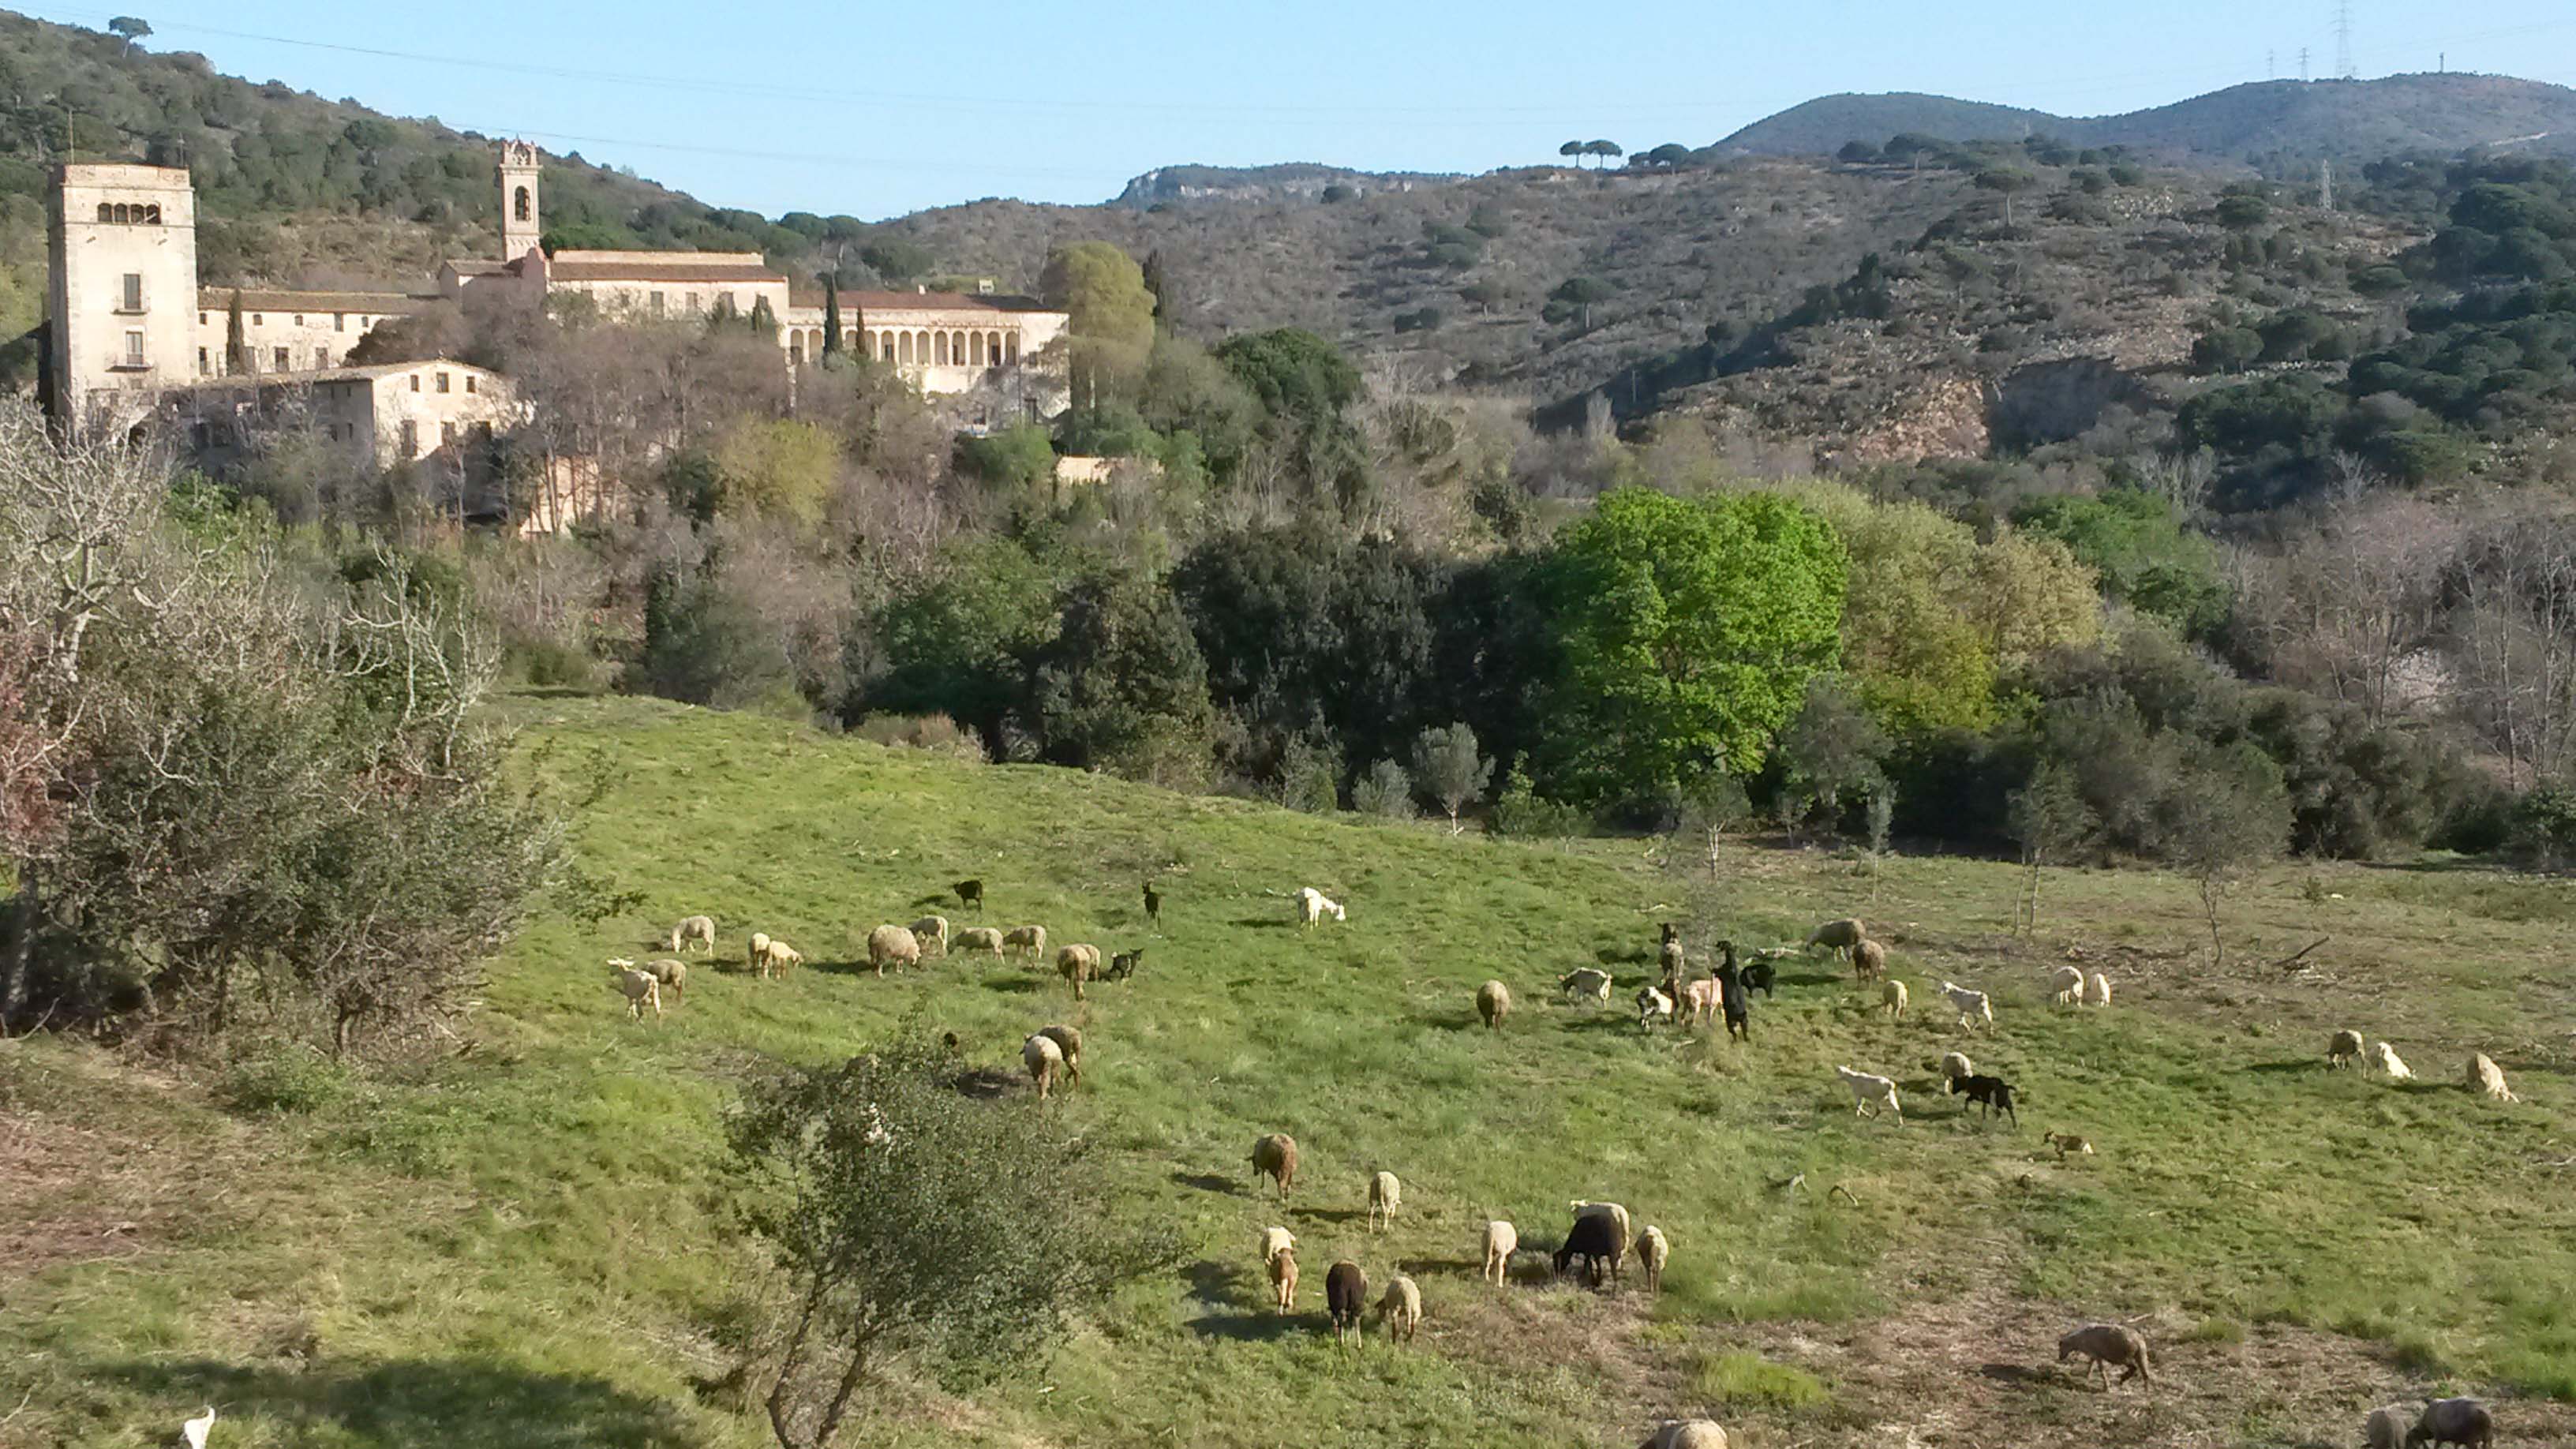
x=71, y=1195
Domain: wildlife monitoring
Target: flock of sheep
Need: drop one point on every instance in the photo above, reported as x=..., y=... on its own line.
x=1598, y=1240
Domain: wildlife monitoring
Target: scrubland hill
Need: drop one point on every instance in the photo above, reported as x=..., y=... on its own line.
x=527, y=1237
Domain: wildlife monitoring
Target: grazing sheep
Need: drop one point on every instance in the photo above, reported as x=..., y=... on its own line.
x=1585, y=981
x=1617, y=1216
x=1275, y=1241
x=759, y=948
x=2384, y=1058
x=1077, y=964
x=1891, y=996
x=1044, y=1060
x=1313, y=906
x=639, y=988
x=893, y=946
x=2485, y=1076
x=1123, y=965
x=1972, y=1006
x=2097, y=990
x=979, y=938
x=674, y=976
x=1686, y=1434
x=1275, y=1157
x=1493, y=1003
x=1068, y=1039
x=2454, y=1421
x=1029, y=939
x=1283, y=1279
x=1652, y=1006
x=700, y=929
x=970, y=893
x=1385, y=1196
x=2386, y=1427
x=2066, y=986
x=2067, y=1144
x=2107, y=1344
x=1653, y=1251
x=1501, y=1241
x=777, y=958
x=1991, y=1094
x=1153, y=906
x=1955, y=1065
x=2343, y=1049
x=931, y=931
x=1871, y=1095
x=1401, y=1308
x=1838, y=936
x=1346, y=1298
x=1869, y=959
x=1595, y=1239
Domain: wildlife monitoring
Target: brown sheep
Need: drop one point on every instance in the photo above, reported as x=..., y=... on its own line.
x=2106, y=1344
x=1078, y=964
x=1068, y=1040
x=1686, y=1434
x=1346, y=1298
x=1275, y=1157
x=1869, y=959
x=1283, y=1280
x=1493, y=1003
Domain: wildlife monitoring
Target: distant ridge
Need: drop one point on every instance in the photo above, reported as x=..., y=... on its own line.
x=1304, y=180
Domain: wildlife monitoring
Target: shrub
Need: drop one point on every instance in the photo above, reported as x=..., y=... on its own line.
x=1521, y=812
x=282, y=1079
x=1310, y=772
x=2544, y=822
x=931, y=733
x=1385, y=790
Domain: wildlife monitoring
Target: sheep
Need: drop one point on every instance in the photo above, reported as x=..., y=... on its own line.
x=1972, y=1006
x=2097, y=990
x=1385, y=1196
x=2106, y=1344
x=2454, y=1421
x=1891, y=996
x=1871, y=1095
x=1153, y=906
x=2343, y=1048
x=1652, y=1006
x=1869, y=958
x=2384, y=1057
x=978, y=938
x=1838, y=936
x=779, y=958
x=932, y=931
x=1044, y=1059
x=1077, y=964
x=1313, y=906
x=1275, y=1156
x=1955, y=1065
x=970, y=893
x=2067, y=1144
x=2485, y=1076
x=1618, y=1219
x=2386, y=1427
x=1653, y=1251
x=2066, y=986
x=1585, y=981
x=1595, y=1240
x=1493, y=1003
x=673, y=975
x=1346, y=1298
x=1275, y=1241
x=1068, y=1039
x=1501, y=1241
x=895, y=946
x=1991, y=1094
x=1283, y=1278
x=1401, y=1308
x=700, y=929
x=1123, y=965
x=639, y=988
x=1686, y=1434
x=759, y=949
x=1029, y=939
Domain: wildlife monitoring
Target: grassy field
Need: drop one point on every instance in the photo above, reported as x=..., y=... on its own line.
x=526, y=1245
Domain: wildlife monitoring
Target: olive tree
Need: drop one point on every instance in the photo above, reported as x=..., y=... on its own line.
x=1447, y=767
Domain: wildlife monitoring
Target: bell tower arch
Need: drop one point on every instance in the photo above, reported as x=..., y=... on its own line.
x=521, y=219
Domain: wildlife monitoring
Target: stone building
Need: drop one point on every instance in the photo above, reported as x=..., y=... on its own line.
x=121, y=292
x=288, y=331
x=379, y=416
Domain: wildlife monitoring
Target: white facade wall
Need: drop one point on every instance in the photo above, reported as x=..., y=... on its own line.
x=315, y=331
x=122, y=290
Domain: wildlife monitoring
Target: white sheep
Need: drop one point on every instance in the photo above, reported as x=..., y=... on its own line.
x=1838, y=936
x=1078, y=964
x=1653, y=1250
x=2384, y=1057
x=1686, y=1434
x=1493, y=1003
x=1891, y=996
x=893, y=946
x=673, y=975
x=1031, y=939
x=2097, y=990
x=759, y=949
x=1501, y=1241
x=1585, y=981
x=1283, y=1279
x=1044, y=1060
x=701, y=929
x=1385, y=1196
x=1955, y=1065
x=933, y=931
x=979, y=938
x=1275, y=1241
x=639, y=988
x=2485, y=1076
x=1652, y=1006
x=1401, y=1308
x=1313, y=906
x=778, y=958
x=2066, y=985
x=1871, y=1095
x=1972, y=1006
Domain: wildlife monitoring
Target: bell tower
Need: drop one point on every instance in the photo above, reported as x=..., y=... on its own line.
x=520, y=225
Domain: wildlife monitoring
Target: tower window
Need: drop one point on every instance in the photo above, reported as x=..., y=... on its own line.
x=442, y=382
x=259, y=319
x=469, y=384
x=204, y=363
x=299, y=319
x=285, y=363
x=521, y=205
x=134, y=347
x=129, y=297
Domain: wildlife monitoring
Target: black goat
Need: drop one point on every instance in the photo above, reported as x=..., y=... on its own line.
x=1758, y=976
x=1991, y=1094
x=1346, y=1296
x=1730, y=993
x=1153, y=905
x=1595, y=1239
x=1124, y=964
x=970, y=893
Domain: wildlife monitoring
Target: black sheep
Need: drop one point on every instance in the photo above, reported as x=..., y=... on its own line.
x=1595, y=1239
x=1153, y=905
x=970, y=893
x=1991, y=1094
x=1346, y=1296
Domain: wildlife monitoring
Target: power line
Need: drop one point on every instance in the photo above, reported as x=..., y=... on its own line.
x=2343, y=40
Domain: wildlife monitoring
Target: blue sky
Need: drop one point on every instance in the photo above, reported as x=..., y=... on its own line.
x=877, y=110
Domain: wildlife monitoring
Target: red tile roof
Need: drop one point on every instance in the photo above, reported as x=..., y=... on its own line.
x=672, y=271
x=941, y=302
x=276, y=299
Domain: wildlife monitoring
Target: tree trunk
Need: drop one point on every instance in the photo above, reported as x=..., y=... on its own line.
x=21, y=947
x=2209, y=902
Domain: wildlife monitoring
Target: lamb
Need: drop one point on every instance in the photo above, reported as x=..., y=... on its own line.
x=1652, y=1006
x=2485, y=1076
x=895, y=946
x=1346, y=1298
x=1595, y=1239
x=1401, y=1308
x=970, y=893
x=1283, y=1276
x=1275, y=1156
x=2066, y=986
x=1686, y=1434
x=674, y=977
x=777, y=957
x=2454, y=1421
x=932, y=930
x=1501, y=1241
x=1972, y=1006
x=1955, y=1065
x=1838, y=936
x=1275, y=1241
x=759, y=949
x=979, y=938
x=700, y=929
x=1068, y=1039
x=1123, y=965
x=2067, y=1144
x=1991, y=1094
x=1044, y=1060
x=1891, y=996
x=1585, y=981
x=1385, y=1196
x=1030, y=939
x=1869, y=959
x=1618, y=1219
x=2384, y=1057
x=1653, y=1251
x=2343, y=1049
x=1493, y=1003
x=639, y=988
x=1077, y=964
x=1313, y=906
x=1871, y=1095
x=2386, y=1427
x=2097, y=990
x=2106, y=1344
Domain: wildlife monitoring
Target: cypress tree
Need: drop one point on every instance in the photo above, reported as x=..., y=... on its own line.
x=764, y=318
x=236, y=347
x=831, y=316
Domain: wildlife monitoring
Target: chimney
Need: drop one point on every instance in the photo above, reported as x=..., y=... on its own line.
x=922, y=287
x=984, y=286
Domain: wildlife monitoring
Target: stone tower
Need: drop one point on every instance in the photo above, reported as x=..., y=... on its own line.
x=121, y=292
x=520, y=224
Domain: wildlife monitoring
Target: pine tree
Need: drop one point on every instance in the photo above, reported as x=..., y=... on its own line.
x=236, y=347
x=831, y=315
x=1156, y=282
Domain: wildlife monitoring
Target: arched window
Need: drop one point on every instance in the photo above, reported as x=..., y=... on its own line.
x=1013, y=339
x=885, y=343
x=921, y=347
x=106, y=212
x=975, y=349
x=519, y=204
x=905, y=341
x=151, y=216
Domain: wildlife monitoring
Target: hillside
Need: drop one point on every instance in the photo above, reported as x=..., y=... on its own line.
x=526, y=1239
x=1167, y=185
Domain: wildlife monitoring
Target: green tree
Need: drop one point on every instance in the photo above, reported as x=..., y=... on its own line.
x=1831, y=747
x=1684, y=634
x=2138, y=547
x=2050, y=820
x=1386, y=790
x=2006, y=183
x=1122, y=686
x=1608, y=151
x=953, y=642
x=1447, y=767
x=1581, y=293
x=1573, y=149
x=2243, y=211
x=129, y=29
x=764, y=318
x=1112, y=326
x=780, y=467
x=236, y=343
x=896, y=260
x=2222, y=812
x=831, y=316
x=1857, y=153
